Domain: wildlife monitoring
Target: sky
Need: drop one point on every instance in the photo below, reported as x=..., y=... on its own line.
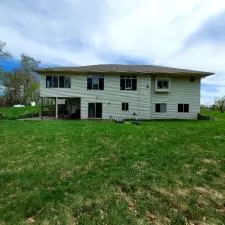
x=177, y=33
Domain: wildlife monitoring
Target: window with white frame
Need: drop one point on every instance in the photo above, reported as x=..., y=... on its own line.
x=162, y=85
x=95, y=82
x=58, y=82
x=160, y=107
x=128, y=83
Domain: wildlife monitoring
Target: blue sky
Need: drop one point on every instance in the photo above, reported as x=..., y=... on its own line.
x=178, y=33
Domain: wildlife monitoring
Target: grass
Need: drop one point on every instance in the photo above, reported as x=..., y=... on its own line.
x=20, y=112
x=97, y=172
x=216, y=115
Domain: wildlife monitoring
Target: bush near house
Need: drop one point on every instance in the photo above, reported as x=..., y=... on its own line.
x=97, y=172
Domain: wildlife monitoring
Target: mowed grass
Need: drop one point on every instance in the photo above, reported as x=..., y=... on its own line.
x=12, y=113
x=100, y=172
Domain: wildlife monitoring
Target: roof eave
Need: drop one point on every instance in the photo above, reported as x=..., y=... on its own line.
x=199, y=74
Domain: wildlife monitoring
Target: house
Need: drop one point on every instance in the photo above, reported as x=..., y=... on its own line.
x=123, y=91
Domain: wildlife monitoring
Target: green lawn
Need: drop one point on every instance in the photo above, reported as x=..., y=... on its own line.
x=21, y=112
x=97, y=172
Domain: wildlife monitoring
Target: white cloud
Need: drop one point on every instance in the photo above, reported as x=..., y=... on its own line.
x=85, y=31
x=208, y=97
x=46, y=53
x=215, y=88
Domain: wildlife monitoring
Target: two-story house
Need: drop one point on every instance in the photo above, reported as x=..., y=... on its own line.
x=123, y=91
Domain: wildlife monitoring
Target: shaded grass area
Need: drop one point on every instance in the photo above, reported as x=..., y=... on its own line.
x=95, y=172
x=216, y=115
x=21, y=112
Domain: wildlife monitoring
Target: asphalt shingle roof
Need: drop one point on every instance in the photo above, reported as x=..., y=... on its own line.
x=119, y=68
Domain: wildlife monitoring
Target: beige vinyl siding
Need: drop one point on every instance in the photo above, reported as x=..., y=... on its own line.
x=182, y=91
x=141, y=102
x=111, y=97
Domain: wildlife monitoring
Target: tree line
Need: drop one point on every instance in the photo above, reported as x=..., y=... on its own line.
x=20, y=86
x=219, y=105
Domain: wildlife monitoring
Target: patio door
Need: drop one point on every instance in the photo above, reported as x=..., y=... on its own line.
x=94, y=110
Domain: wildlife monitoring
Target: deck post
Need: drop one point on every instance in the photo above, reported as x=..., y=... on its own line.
x=56, y=108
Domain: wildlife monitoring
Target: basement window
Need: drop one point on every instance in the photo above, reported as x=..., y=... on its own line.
x=160, y=107
x=125, y=106
x=183, y=108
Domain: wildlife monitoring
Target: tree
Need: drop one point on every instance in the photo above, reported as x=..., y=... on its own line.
x=220, y=103
x=22, y=85
x=12, y=86
x=30, y=84
x=3, y=52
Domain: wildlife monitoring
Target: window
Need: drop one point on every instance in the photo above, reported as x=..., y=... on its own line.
x=58, y=82
x=95, y=83
x=162, y=85
x=125, y=106
x=55, y=81
x=183, y=108
x=128, y=83
x=160, y=107
x=94, y=110
x=48, y=81
x=67, y=82
x=61, y=81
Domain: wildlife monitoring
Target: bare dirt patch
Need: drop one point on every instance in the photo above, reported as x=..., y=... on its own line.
x=172, y=193
x=133, y=208
x=65, y=174
x=214, y=194
x=183, y=192
x=111, y=157
x=31, y=220
x=156, y=220
x=201, y=171
x=132, y=205
x=165, y=192
x=74, y=221
x=140, y=165
x=209, y=161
